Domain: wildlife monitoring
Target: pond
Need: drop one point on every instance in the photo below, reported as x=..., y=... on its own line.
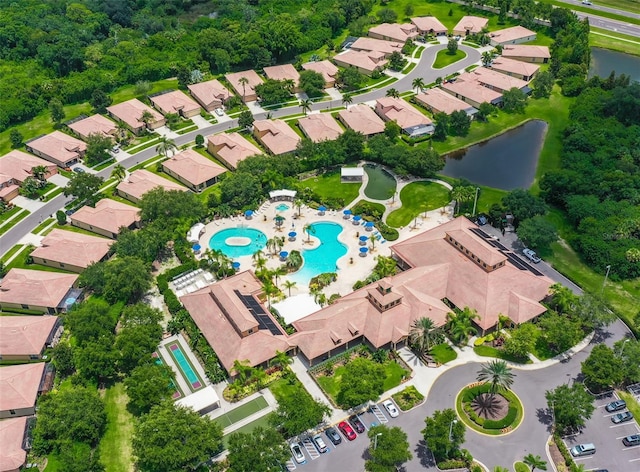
x=382, y=184
x=603, y=61
x=505, y=162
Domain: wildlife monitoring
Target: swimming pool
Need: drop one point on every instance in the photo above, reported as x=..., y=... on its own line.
x=324, y=257
x=237, y=242
x=192, y=378
x=282, y=207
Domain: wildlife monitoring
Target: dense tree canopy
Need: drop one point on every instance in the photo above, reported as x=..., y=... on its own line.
x=571, y=406
x=362, y=381
x=436, y=434
x=261, y=450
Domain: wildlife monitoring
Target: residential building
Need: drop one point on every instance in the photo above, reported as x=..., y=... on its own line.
x=496, y=81
x=326, y=68
x=233, y=320
x=283, y=73
x=470, y=25
x=94, y=124
x=276, y=135
x=20, y=386
x=71, y=251
x=13, y=437
x=412, y=121
x=472, y=92
x=438, y=101
x=9, y=188
x=15, y=167
x=245, y=90
x=25, y=338
x=38, y=290
x=377, y=45
x=177, y=102
x=527, y=53
x=365, y=61
x=57, y=147
x=231, y=148
x=429, y=25
x=320, y=127
x=193, y=169
x=210, y=94
x=521, y=70
x=514, y=35
x=107, y=218
x=140, y=181
x=394, y=32
x=130, y=113
x=361, y=118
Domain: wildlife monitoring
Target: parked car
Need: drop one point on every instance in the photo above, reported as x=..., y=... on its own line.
x=357, y=424
x=586, y=2
x=633, y=440
x=616, y=406
x=347, y=430
x=583, y=450
x=79, y=170
x=116, y=148
x=622, y=417
x=219, y=111
x=391, y=408
x=296, y=451
x=333, y=436
x=320, y=444
x=531, y=255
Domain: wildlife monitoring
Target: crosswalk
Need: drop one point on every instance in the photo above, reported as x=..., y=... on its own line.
x=311, y=449
x=378, y=414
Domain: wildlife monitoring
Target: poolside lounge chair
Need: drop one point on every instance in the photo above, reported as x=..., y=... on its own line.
x=208, y=277
x=200, y=284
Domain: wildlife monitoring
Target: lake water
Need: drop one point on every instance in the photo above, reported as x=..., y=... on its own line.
x=604, y=61
x=506, y=162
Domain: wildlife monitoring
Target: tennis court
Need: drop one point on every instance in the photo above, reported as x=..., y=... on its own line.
x=240, y=413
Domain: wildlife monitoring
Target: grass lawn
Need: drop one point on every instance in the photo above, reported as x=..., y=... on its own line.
x=53, y=194
x=43, y=225
x=128, y=92
x=53, y=464
x=115, y=446
x=615, y=41
x=247, y=428
x=444, y=58
x=11, y=252
x=521, y=467
x=417, y=198
x=242, y=412
x=443, y=353
x=488, y=351
x=7, y=225
x=612, y=3
x=632, y=405
x=331, y=384
x=5, y=215
x=328, y=186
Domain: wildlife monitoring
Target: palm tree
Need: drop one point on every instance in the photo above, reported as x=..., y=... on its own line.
x=418, y=84
x=347, y=99
x=460, y=326
x=498, y=374
x=392, y=92
x=121, y=130
x=289, y=85
x=535, y=462
x=386, y=266
x=271, y=244
x=278, y=242
x=289, y=284
x=146, y=117
x=309, y=229
x=420, y=334
x=461, y=194
x=563, y=300
x=278, y=272
x=305, y=105
x=372, y=239
x=119, y=172
x=40, y=173
x=298, y=204
x=281, y=358
x=260, y=376
x=243, y=81
x=256, y=256
x=294, y=260
x=269, y=290
x=242, y=369
x=165, y=145
x=487, y=57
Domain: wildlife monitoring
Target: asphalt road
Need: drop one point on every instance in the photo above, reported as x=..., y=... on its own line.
x=602, y=8
x=611, y=25
x=529, y=437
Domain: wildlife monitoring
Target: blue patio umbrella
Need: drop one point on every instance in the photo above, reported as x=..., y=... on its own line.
x=283, y=254
x=357, y=218
x=364, y=238
x=364, y=250
x=235, y=265
x=248, y=213
x=293, y=234
x=347, y=212
x=322, y=208
x=196, y=247
x=368, y=224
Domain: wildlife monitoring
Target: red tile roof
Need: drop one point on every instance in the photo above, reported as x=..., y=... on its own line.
x=193, y=167
x=19, y=385
x=35, y=287
x=12, y=456
x=73, y=249
x=25, y=335
x=108, y=215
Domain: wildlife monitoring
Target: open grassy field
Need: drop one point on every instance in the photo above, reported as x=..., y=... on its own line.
x=328, y=185
x=115, y=446
x=417, y=198
x=444, y=58
x=615, y=41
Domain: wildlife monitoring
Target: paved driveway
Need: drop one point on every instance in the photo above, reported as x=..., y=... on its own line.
x=607, y=437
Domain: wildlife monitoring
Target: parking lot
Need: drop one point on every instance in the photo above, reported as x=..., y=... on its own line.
x=347, y=455
x=607, y=437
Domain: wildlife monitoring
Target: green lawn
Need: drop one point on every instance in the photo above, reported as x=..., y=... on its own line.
x=43, y=225
x=16, y=219
x=11, y=252
x=417, y=198
x=242, y=412
x=615, y=41
x=115, y=446
x=521, y=467
x=328, y=186
x=53, y=464
x=128, y=92
x=444, y=58
x=5, y=215
x=331, y=384
x=247, y=428
x=612, y=3
x=488, y=351
x=443, y=353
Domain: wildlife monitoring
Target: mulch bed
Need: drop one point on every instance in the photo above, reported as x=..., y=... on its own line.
x=498, y=409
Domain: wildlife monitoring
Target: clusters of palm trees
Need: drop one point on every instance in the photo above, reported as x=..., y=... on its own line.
x=460, y=325
x=270, y=278
x=246, y=375
x=422, y=334
x=462, y=194
x=218, y=263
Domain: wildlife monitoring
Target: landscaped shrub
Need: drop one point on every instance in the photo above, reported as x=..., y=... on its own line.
x=479, y=342
x=408, y=398
x=451, y=464
x=387, y=232
x=369, y=210
x=504, y=422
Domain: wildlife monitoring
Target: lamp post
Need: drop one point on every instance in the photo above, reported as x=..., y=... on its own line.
x=622, y=347
x=475, y=201
x=453, y=421
x=606, y=276
x=375, y=441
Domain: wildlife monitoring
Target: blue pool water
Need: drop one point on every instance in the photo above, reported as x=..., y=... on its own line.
x=185, y=367
x=257, y=237
x=324, y=257
x=282, y=207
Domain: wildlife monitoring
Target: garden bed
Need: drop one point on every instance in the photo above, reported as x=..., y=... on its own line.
x=408, y=398
x=508, y=410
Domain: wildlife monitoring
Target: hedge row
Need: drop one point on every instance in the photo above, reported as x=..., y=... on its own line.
x=504, y=422
x=566, y=455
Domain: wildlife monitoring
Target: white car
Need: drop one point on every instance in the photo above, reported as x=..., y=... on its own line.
x=586, y=2
x=219, y=112
x=531, y=255
x=391, y=408
x=296, y=451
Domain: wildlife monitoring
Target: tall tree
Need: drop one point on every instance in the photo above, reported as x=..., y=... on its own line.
x=85, y=187
x=56, y=109
x=305, y=105
x=16, y=138
x=149, y=384
x=603, y=369
x=460, y=325
x=362, y=381
x=514, y=100
x=100, y=101
x=388, y=449
x=497, y=374
x=418, y=84
x=393, y=93
x=487, y=58
x=244, y=82
x=98, y=146
x=535, y=462
x=421, y=332
x=245, y=119
x=570, y=406
x=166, y=146
x=444, y=434
x=118, y=172
x=347, y=99
x=261, y=450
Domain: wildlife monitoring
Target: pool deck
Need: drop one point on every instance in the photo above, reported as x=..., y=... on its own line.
x=168, y=360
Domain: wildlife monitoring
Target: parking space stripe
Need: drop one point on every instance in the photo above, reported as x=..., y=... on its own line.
x=379, y=415
x=291, y=464
x=311, y=449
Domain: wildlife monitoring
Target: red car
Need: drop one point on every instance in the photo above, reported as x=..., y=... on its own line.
x=347, y=430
